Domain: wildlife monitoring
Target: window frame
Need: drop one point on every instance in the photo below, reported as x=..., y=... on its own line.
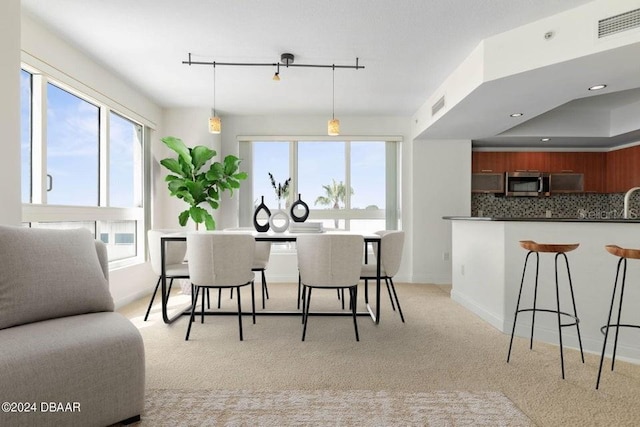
x=38, y=210
x=391, y=211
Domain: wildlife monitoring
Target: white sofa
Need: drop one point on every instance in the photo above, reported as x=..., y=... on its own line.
x=66, y=359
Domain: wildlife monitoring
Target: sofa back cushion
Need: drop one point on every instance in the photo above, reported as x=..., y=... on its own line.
x=45, y=274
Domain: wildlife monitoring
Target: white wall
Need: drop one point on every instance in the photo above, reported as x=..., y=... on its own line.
x=11, y=211
x=441, y=187
x=44, y=49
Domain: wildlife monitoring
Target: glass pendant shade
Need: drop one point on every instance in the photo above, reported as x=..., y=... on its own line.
x=215, y=126
x=333, y=127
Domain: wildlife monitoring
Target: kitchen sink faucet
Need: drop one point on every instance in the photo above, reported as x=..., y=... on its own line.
x=627, y=196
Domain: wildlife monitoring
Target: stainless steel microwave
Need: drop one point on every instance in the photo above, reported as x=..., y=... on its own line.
x=527, y=184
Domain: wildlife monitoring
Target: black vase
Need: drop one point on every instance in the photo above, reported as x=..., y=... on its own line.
x=302, y=204
x=261, y=227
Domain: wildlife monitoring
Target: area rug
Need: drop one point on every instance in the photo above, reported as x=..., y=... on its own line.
x=329, y=408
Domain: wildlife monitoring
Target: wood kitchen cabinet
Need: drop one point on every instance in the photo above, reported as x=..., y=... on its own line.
x=524, y=161
x=599, y=168
x=622, y=169
x=595, y=167
x=509, y=161
x=489, y=161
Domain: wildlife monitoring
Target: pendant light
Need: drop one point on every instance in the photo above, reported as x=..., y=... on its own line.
x=333, y=127
x=215, y=126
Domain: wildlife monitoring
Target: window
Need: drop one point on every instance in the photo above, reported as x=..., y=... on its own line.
x=125, y=153
x=72, y=141
x=348, y=185
x=82, y=163
x=25, y=134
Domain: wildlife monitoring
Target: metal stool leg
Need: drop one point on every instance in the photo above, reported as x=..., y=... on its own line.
x=558, y=313
x=535, y=300
x=606, y=327
x=575, y=311
x=515, y=318
x=615, y=340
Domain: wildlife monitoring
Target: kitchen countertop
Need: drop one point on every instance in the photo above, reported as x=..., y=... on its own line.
x=543, y=219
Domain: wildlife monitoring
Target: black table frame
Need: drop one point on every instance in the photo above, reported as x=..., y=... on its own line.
x=374, y=313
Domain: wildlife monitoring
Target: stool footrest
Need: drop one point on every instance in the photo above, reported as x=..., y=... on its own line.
x=617, y=325
x=547, y=310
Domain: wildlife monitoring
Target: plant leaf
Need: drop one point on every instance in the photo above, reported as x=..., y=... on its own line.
x=178, y=146
x=198, y=214
x=231, y=164
x=173, y=165
x=183, y=217
x=201, y=155
x=214, y=205
x=215, y=172
x=241, y=175
x=233, y=183
x=209, y=222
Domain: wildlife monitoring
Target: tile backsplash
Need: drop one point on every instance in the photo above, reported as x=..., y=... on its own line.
x=590, y=205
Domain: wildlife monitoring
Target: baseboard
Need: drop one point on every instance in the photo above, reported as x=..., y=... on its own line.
x=491, y=318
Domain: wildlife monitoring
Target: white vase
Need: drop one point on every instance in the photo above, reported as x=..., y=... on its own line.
x=279, y=220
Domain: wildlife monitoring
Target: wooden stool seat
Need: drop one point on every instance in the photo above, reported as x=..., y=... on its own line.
x=530, y=245
x=622, y=252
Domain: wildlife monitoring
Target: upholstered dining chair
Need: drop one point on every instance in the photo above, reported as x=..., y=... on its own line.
x=260, y=264
x=175, y=253
x=392, y=243
x=220, y=260
x=330, y=261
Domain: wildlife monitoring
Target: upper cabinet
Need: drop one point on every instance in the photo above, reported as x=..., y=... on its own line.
x=622, y=169
x=604, y=172
x=521, y=161
x=591, y=164
x=489, y=161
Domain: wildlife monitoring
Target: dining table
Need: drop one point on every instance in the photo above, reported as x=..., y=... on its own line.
x=273, y=237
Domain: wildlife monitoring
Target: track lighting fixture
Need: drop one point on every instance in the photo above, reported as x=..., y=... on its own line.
x=286, y=60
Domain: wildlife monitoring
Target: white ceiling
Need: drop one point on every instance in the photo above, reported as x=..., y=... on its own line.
x=408, y=48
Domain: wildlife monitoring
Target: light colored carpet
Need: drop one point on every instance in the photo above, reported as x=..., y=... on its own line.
x=442, y=347
x=329, y=408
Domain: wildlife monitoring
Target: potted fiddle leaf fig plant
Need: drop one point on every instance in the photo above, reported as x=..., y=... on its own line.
x=197, y=186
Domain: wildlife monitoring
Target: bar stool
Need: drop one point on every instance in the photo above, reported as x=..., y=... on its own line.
x=624, y=254
x=559, y=250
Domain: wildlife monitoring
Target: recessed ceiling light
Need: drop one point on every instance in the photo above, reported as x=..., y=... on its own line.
x=517, y=114
x=544, y=139
x=597, y=87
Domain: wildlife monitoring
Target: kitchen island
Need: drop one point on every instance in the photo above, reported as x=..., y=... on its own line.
x=487, y=263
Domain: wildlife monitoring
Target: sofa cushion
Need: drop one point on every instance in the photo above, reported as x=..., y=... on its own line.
x=46, y=274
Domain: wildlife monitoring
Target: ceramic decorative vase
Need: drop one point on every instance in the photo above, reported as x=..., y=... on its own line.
x=262, y=228
x=299, y=204
x=279, y=220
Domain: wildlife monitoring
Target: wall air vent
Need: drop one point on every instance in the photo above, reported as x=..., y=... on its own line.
x=619, y=23
x=439, y=105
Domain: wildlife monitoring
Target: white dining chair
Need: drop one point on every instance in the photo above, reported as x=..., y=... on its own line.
x=220, y=260
x=260, y=264
x=329, y=261
x=175, y=267
x=392, y=243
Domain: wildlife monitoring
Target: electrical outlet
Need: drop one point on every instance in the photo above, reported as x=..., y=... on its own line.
x=445, y=256
x=462, y=269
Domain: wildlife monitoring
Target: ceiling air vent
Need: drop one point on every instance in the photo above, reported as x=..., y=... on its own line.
x=619, y=23
x=439, y=105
